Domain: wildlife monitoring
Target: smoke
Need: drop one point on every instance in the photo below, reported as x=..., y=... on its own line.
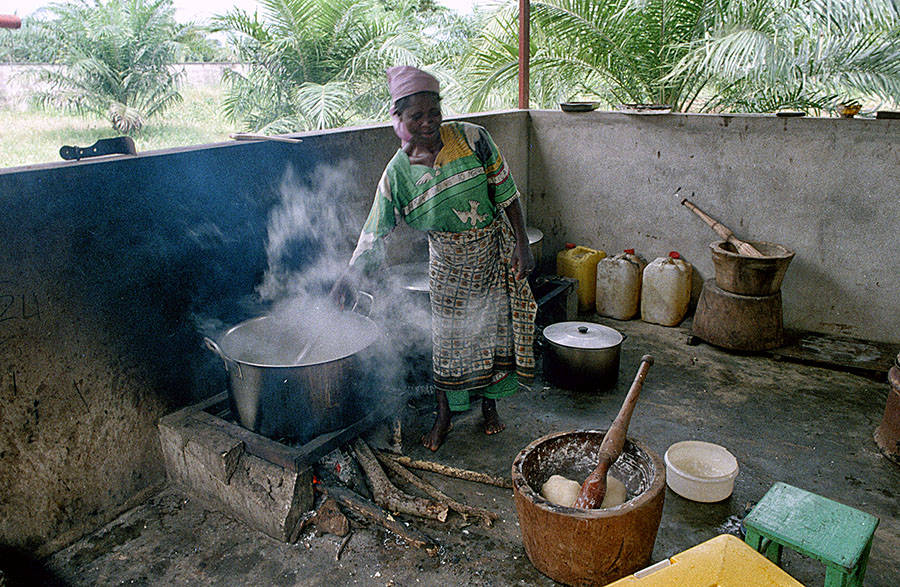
x=304, y=235
x=308, y=242
x=307, y=251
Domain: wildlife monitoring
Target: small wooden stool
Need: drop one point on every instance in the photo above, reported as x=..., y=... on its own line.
x=838, y=535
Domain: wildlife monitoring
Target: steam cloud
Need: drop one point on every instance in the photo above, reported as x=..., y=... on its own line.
x=307, y=251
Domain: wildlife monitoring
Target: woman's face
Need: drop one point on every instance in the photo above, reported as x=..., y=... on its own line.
x=422, y=118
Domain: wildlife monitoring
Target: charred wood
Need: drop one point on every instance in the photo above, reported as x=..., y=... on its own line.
x=487, y=517
x=364, y=508
x=387, y=495
x=337, y=554
x=329, y=519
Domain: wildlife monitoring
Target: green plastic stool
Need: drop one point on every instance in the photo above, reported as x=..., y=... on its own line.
x=838, y=535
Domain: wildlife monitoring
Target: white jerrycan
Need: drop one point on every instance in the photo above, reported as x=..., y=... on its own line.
x=619, y=285
x=666, y=290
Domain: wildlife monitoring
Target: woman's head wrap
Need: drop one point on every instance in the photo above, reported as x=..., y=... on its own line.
x=404, y=81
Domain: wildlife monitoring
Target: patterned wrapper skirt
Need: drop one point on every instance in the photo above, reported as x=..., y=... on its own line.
x=482, y=316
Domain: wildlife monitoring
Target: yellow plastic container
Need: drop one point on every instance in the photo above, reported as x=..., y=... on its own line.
x=581, y=263
x=724, y=561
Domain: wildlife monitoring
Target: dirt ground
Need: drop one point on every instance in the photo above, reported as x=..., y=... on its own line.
x=807, y=426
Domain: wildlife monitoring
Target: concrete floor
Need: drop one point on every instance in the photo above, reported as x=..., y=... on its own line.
x=806, y=426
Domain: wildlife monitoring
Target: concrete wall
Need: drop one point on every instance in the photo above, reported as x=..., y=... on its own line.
x=827, y=188
x=111, y=272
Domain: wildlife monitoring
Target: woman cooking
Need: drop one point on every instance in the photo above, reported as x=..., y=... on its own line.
x=450, y=180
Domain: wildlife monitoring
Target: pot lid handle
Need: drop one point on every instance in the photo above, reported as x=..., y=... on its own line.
x=583, y=335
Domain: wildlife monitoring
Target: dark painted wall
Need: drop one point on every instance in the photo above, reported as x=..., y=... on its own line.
x=111, y=272
x=107, y=269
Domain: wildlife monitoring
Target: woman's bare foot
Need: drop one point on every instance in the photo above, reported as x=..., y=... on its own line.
x=434, y=439
x=492, y=423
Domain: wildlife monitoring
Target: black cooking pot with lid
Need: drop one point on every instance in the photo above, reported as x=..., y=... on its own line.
x=582, y=355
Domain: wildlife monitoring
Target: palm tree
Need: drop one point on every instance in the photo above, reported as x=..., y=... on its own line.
x=612, y=50
x=313, y=64
x=118, y=58
x=763, y=55
x=33, y=43
x=748, y=55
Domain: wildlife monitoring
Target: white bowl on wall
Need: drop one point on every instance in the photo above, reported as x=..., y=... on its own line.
x=700, y=471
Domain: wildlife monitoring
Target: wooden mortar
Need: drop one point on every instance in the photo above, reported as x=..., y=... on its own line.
x=578, y=546
x=750, y=276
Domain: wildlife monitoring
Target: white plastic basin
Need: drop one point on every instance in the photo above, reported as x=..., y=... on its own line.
x=700, y=471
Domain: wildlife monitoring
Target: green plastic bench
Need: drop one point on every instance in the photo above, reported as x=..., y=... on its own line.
x=815, y=526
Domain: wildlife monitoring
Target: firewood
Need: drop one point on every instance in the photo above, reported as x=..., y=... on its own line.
x=449, y=471
x=337, y=554
x=397, y=435
x=304, y=520
x=388, y=496
x=487, y=517
x=330, y=520
x=368, y=510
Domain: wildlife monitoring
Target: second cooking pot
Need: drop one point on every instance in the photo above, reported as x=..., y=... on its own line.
x=535, y=243
x=582, y=355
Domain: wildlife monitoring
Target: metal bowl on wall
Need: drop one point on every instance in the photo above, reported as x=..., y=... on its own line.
x=411, y=277
x=406, y=305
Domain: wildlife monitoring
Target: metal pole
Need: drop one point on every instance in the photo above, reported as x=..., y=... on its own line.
x=524, y=51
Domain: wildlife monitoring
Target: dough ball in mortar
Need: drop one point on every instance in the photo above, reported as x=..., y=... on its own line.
x=561, y=491
x=615, y=492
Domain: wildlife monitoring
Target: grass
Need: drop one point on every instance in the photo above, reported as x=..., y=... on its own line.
x=35, y=136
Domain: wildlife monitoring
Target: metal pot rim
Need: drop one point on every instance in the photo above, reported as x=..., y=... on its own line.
x=583, y=335
x=352, y=351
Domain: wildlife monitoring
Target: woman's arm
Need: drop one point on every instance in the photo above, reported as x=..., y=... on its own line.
x=522, y=260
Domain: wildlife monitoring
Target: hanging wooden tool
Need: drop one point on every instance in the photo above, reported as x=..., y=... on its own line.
x=113, y=146
x=743, y=247
x=593, y=490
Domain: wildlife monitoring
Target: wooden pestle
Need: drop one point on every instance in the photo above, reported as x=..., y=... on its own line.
x=593, y=490
x=743, y=247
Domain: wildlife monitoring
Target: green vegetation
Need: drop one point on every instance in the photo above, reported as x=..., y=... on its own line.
x=699, y=55
x=118, y=56
x=317, y=64
x=35, y=136
x=762, y=55
x=312, y=64
x=33, y=43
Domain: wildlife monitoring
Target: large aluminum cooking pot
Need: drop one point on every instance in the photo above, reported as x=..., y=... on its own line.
x=297, y=378
x=582, y=355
